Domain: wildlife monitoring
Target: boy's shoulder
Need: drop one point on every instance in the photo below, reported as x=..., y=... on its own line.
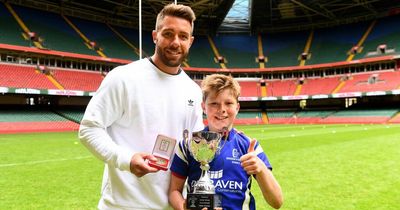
x=240, y=134
x=240, y=137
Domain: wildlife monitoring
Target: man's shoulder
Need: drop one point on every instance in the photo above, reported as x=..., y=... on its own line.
x=190, y=81
x=134, y=64
x=127, y=69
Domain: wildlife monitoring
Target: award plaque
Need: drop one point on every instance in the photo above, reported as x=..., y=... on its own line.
x=163, y=150
x=203, y=146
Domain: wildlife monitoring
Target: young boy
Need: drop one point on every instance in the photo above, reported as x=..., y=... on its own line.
x=239, y=159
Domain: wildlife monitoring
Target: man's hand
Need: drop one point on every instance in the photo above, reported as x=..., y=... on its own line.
x=139, y=165
x=250, y=162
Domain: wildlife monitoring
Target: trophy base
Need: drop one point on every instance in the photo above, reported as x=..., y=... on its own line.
x=196, y=201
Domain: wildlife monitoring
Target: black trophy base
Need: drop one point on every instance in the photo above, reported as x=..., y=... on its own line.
x=200, y=201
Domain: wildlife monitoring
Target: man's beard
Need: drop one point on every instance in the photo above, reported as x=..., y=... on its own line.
x=168, y=62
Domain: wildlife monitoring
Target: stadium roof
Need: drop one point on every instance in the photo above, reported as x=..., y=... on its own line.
x=238, y=18
x=262, y=15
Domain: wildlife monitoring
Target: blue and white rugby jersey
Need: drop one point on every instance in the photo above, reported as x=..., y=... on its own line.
x=231, y=181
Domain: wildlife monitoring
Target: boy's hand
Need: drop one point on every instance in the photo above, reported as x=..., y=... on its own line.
x=250, y=161
x=252, y=146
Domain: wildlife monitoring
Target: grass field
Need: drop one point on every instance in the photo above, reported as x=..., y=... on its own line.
x=318, y=167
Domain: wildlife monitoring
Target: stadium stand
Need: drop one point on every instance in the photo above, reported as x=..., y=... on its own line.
x=132, y=35
x=315, y=86
x=395, y=118
x=330, y=71
x=111, y=45
x=237, y=55
x=281, y=117
x=132, y=43
x=281, y=87
x=250, y=89
x=385, y=32
x=283, y=49
x=74, y=115
x=21, y=76
x=201, y=54
x=33, y=120
x=382, y=81
x=57, y=34
x=249, y=118
x=78, y=80
x=360, y=116
x=332, y=44
x=311, y=116
x=10, y=32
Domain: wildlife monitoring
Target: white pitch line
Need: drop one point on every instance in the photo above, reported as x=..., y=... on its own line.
x=42, y=161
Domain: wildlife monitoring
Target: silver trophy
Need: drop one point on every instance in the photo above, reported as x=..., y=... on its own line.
x=203, y=146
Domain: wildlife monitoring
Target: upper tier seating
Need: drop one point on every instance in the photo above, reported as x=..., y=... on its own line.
x=240, y=51
x=201, y=54
x=132, y=35
x=283, y=49
x=386, y=31
x=105, y=38
x=55, y=31
x=332, y=44
x=10, y=32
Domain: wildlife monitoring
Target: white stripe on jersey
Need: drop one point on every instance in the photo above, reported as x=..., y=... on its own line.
x=246, y=202
x=181, y=152
x=258, y=149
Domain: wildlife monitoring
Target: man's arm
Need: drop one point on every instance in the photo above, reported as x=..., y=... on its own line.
x=106, y=107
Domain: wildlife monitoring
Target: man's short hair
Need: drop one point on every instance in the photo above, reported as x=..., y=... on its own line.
x=215, y=83
x=176, y=10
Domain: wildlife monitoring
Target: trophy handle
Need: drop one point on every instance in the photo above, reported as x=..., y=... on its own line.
x=186, y=138
x=225, y=135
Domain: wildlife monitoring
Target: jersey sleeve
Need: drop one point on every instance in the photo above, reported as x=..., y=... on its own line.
x=259, y=151
x=261, y=154
x=180, y=164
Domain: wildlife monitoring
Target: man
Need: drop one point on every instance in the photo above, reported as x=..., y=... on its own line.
x=134, y=104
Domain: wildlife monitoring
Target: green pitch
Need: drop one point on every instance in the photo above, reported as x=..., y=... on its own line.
x=318, y=167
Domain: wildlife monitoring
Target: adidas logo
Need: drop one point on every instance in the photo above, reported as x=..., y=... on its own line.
x=190, y=102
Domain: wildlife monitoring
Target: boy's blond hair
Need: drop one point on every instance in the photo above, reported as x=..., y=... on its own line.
x=176, y=10
x=215, y=83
